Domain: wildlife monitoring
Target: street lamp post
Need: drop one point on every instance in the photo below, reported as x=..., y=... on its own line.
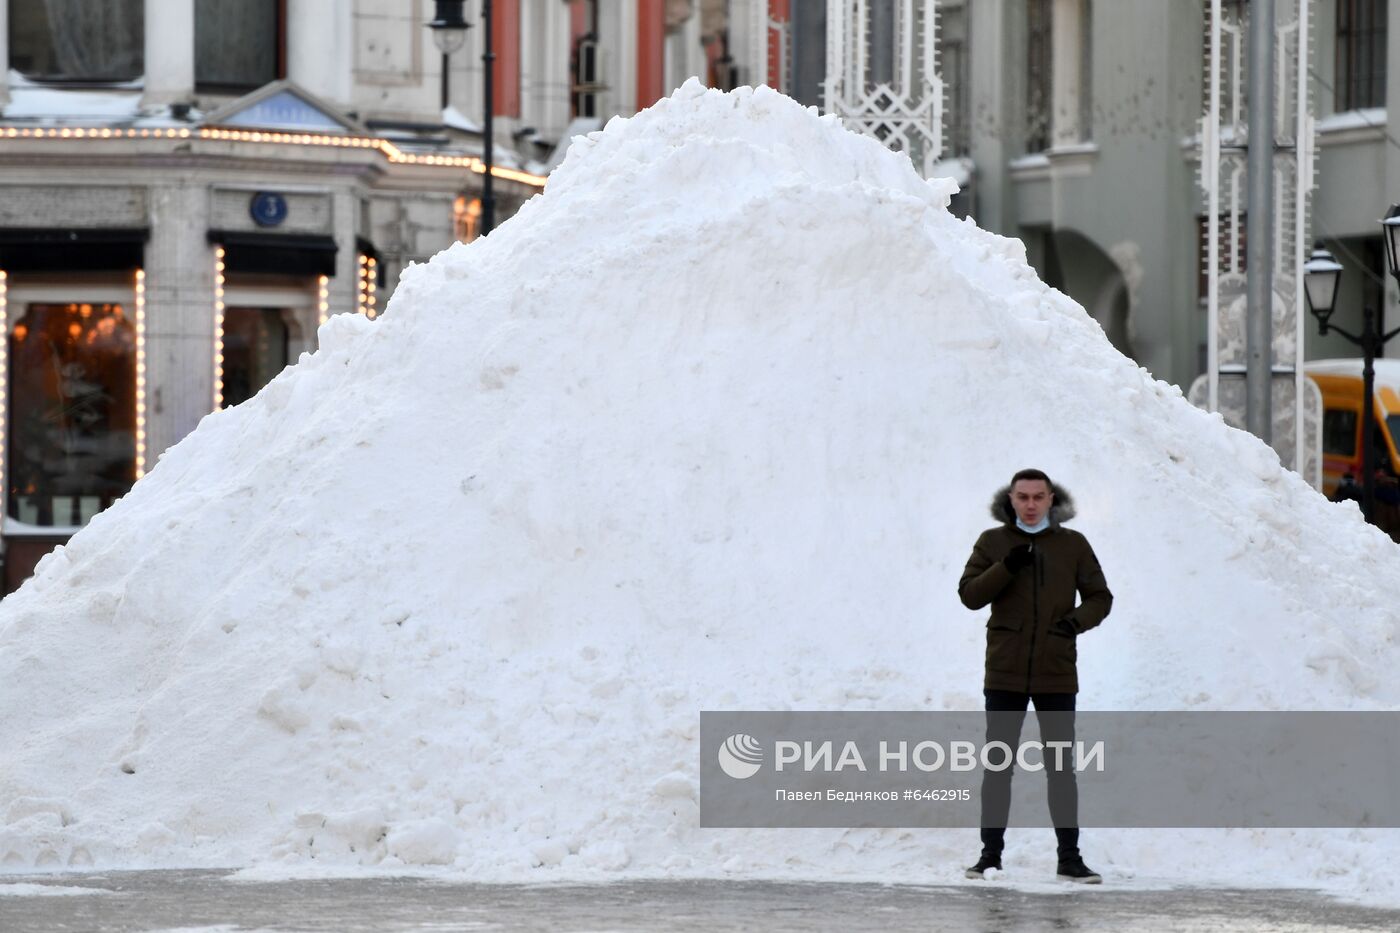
x=488, y=61
x=449, y=34
x=1321, y=275
x=449, y=28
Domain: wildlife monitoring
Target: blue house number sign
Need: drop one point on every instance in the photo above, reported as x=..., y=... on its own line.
x=268, y=208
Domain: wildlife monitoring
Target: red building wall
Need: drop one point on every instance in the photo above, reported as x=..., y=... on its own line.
x=505, y=38
x=651, y=52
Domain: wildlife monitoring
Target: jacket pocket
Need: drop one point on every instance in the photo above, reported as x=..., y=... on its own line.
x=1004, y=645
x=1060, y=656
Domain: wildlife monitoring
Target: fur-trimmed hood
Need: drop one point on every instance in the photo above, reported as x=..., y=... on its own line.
x=1061, y=512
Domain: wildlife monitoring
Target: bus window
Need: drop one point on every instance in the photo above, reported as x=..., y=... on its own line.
x=1339, y=432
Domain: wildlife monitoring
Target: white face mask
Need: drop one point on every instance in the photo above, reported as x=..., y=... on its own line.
x=1037, y=528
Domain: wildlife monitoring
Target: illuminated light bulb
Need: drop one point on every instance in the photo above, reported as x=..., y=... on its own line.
x=4, y=349
x=140, y=373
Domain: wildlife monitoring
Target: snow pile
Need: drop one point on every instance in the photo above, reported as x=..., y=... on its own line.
x=711, y=424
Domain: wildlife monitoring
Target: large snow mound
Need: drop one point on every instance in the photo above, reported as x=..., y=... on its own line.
x=710, y=424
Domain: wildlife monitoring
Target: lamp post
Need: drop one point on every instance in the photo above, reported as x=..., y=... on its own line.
x=488, y=61
x=1321, y=275
x=449, y=28
x=449, y=34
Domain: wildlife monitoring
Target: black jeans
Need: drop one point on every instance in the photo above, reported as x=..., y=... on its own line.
x=1062, y=789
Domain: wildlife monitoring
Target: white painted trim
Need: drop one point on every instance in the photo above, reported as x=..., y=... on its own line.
x=270, y=296
x=123, y=293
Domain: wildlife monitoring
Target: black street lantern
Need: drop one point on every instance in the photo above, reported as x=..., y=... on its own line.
x=1391, y=226
x=449, y=26
x=1321, y=276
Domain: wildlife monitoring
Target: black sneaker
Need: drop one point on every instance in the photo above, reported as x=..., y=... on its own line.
x=978, y=872
x=1075, y=870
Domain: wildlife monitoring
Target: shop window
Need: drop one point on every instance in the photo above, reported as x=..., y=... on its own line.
x=239, y=46
x=77, y=40
x=72, y=420
x=466, y=218
x=1360, y=54
x=255, y=351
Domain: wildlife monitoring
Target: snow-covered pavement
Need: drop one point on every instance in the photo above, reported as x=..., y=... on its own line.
x=212, y=901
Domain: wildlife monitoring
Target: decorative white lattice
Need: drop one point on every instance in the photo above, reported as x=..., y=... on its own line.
x=1224, y=176
x=905, y=113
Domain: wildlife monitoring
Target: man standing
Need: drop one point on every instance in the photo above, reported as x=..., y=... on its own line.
x=1029, y=569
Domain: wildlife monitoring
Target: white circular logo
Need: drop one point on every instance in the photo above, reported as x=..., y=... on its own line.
x=740, y=756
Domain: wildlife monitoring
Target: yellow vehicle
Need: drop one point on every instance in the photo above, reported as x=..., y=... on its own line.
x=1340, y=382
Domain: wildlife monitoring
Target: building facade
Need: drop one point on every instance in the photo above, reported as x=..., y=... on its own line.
x=1077, y=122
x=188, y=188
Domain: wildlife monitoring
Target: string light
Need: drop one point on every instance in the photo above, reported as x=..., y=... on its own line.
x=140, y=373
x=390, y=151
x=4, y=352
x=218, y=328
x=372, y=281
x=367, y=285
x=362, y=296
x=323, y=298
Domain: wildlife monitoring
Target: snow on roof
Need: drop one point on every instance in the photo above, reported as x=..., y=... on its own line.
x=57, y=105
x=709, y=424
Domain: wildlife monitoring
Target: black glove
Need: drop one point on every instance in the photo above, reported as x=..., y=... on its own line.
x=1066, y=627
x=1018, y=557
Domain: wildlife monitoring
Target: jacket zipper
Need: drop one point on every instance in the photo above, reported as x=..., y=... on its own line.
x=1035, y=611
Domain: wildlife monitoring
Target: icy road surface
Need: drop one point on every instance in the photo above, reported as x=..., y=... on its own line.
x=210, y=901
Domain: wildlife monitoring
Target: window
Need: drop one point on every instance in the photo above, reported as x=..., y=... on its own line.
x=586, y=66
x=1360, y=78
x=255, y=351
x=1039, y=68
x=1228, y=263
x=1059, y=74
x=1339, y=432
x=587, y=80
x=72, y=424
x=952, y=59
x=239, y=46
x=77, y=40
x=466, y=218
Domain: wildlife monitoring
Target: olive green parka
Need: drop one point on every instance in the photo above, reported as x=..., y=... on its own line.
x=1024, y=654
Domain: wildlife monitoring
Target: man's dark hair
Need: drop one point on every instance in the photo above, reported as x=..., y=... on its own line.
x=1032, y=474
